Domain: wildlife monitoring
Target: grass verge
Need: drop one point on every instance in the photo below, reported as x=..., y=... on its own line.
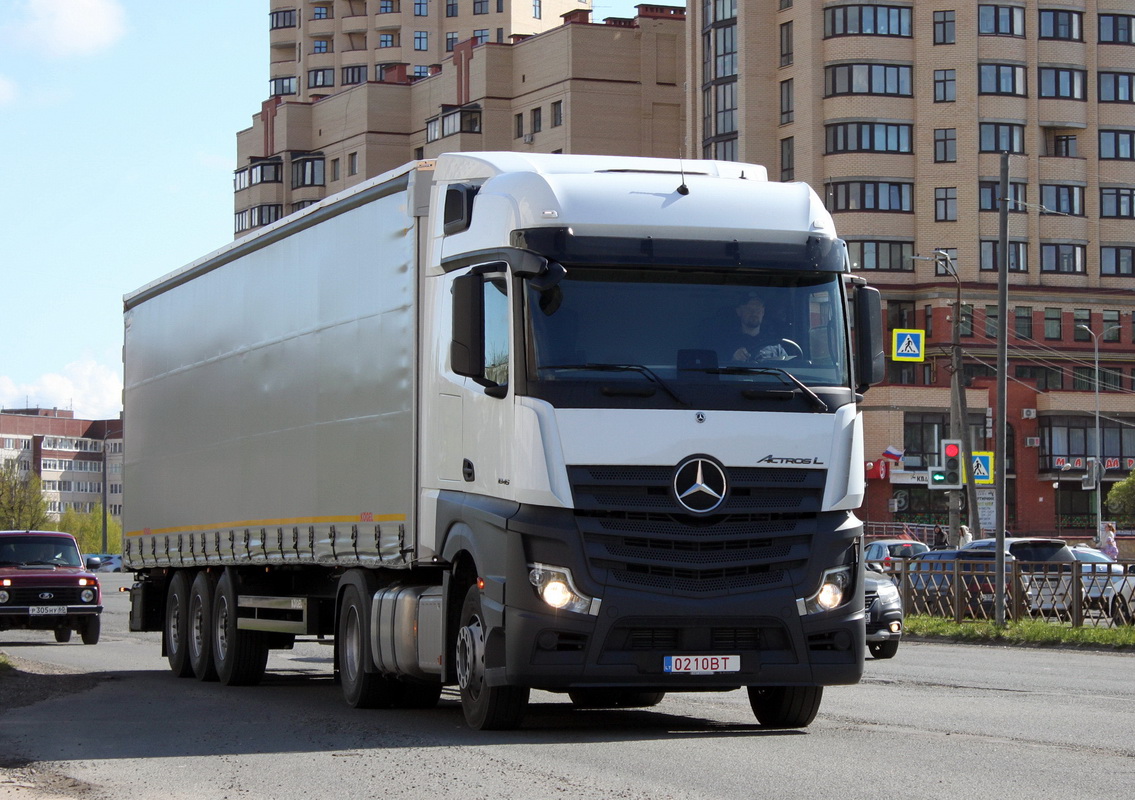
x=1026, y=632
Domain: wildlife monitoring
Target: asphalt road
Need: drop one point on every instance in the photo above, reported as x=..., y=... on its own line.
x=936, y=721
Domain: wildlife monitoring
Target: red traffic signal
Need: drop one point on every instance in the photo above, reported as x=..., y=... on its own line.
x=951, y=449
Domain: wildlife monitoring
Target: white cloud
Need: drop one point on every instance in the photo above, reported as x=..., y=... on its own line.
x=73, y=28
x=91, y=389
x=8, y=91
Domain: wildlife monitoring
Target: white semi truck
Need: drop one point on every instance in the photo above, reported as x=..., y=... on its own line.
x=485, y=421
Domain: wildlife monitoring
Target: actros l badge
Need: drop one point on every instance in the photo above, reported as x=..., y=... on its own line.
x=699, y=484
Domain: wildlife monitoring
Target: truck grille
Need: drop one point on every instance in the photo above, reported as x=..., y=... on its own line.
x=636, y=534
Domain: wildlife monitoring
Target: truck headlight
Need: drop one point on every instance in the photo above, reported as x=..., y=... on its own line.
x=87, y=595
x=555, y=587
x=834, y=587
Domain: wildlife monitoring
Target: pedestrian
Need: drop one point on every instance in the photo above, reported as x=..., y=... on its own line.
x=939, y=541
x=1109, y=547
x=964, y=536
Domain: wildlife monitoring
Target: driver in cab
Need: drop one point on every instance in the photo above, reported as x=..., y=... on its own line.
x=754, y=342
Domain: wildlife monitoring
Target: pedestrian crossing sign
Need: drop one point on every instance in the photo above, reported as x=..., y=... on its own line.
x=908, y=345
x=981, y=467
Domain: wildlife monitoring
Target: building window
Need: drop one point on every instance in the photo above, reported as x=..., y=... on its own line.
x=1117, y=202
x=787, y=159
x=1111, y=327
x=1082, y=379
x=387, y=7
x=266, y=172
x=451, y=8
x=282, y=19
x=945, y=144
x=1117, y=29
x=785, y=44
x=1001, y=137
x=945, y=85
x=353, y=75
x=988, y=193
x=945, y=204
x=944, y=27
x=787, y=102
x=321, y=45
x=1023, y=322
x=1001, y=20
x=386, y=40
x=1066, y=258
x=421, y=40
x=991, y=261
x=862, y=137
x=1118, y=261
x=537, y=120
x=1066, y=25
x=1064, y=83
x=1081, y=317
x=352, y=163
x=867, y=21
x=991, y=322
x=1061, y=145
x=307, y=171
x=965, y=320
x=1053, y=324
x=557, y=113
x=870, y=196
x=480, y=35
x=317, y=78
x=281, y=86
x=334, y=170
x=888, y=256
x=321, y=12
x=1117, y=145
x=1002, y=79
x=518, y=126
x=1116, y=87
x=720, y=52
x=884, y=79
x=421, y=71
x=537, y=9
x=1060, y=199
x=725, y=115
x=480, y=6
x=785, y=4
x=421, y=8
x=450, y=41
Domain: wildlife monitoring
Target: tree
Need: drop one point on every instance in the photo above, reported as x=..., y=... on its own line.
x=22, y=506
x=1121, y=500
x=86, y=527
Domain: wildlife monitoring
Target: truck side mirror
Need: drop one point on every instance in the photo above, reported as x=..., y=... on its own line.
x=870, y=360
x=466, y=350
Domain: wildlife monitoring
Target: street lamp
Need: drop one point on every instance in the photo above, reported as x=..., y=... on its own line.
x=1097, y=468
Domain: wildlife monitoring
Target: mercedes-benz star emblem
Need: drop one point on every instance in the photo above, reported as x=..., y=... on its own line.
x=699, y=484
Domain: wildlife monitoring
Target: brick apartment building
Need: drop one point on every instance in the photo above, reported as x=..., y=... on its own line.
x=78, y=461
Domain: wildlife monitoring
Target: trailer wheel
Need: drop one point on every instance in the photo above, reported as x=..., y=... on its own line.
x=91, y=629
x=200, y=627
x=239, y=656
x=486, y=707
x=361, y=689
x=62, y=635
x=614, y=698
x=176, y=629
x=785, y=706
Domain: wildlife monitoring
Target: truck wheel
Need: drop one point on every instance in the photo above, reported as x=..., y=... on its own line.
x=62, y=635
x=614, y=698
x=487, y=708
x=200, y=625
x=91, y=629
x=883, y=649
x=176, y=629
x=785, y=706
x=361, y=689
x=238, y=655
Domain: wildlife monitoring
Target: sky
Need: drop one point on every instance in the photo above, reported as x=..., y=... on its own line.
x=118, y=123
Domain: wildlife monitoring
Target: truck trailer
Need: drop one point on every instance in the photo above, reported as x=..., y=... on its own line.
x=484, y=421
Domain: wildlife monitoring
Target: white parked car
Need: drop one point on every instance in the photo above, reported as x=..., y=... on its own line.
x=1106, y=584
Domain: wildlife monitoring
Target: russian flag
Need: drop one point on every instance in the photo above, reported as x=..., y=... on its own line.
x=893, y=453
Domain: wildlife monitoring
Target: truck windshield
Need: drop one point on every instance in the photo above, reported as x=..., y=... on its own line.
x=686, y=337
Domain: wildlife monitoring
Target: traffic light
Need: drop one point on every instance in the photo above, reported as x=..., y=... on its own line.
x=949, y=473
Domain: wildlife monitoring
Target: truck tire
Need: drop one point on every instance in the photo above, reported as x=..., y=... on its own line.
x=614, y=698
x=176, y=628
x=487, y=708
x=238, y=655
x=91, y=629
x=883, y=649
x=62, y=635
x=785, y=706
x=361, y=689
x=200, y=625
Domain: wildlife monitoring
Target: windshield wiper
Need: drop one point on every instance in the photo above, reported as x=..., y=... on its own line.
x=647, y=372
x=786, y=376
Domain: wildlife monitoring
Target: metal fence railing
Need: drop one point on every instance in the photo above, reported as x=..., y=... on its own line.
x=1077, y=593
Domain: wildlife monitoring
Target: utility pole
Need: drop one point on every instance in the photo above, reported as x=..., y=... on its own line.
x=1000, y=456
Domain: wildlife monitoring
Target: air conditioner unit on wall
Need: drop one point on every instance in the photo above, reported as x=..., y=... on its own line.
x=1028, y=413
x=1032, y=441
x=529, y=138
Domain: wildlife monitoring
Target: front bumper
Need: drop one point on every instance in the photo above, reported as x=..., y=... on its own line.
x=21, y=617
x=885, y=625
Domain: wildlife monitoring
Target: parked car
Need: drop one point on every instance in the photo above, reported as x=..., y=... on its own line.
x=107, y=562
x=930, y=576
x=44, y=585
x=883, y=551
x=1106, y=584
x=883, y=613
x=1045, y=572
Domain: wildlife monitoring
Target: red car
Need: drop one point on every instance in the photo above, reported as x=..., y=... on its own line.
x=45, y=587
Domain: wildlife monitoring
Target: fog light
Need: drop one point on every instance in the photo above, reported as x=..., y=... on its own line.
x=87, y=595
x=555, y=587
x=896, y=626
